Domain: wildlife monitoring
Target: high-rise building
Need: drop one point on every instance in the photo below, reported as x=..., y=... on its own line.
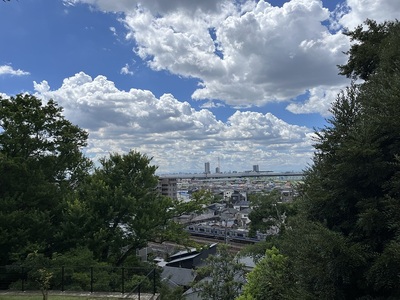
x=256, y=168
x=207, y=168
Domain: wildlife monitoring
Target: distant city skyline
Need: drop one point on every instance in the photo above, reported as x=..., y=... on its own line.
x=227, y=174
x=208, y=167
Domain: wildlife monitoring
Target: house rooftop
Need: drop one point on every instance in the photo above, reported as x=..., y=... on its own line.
x=178, y=276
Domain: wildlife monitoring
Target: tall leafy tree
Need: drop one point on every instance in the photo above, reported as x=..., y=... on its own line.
x=375, y=49
x=350, y=201
x=40, y=161
x=269, y=279
x=222, y=276
x=269, y=213
x=118, y=210
x=118, y=207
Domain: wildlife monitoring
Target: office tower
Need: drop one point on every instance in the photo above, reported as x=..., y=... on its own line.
x=207, y=168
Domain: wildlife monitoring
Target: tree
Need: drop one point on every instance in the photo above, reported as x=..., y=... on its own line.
x=322, y=263
x=38, y=269
x=269, y=212
x=375, y=49
x=222, y=276
x=40, y=135
x=343, y=244
x=40, y=162
x=117, y=210
x=269, y=279
x=347, y=191
x=171, y=293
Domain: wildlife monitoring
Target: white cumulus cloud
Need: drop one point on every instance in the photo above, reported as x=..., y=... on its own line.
x=378, y=10
x=248, y=53
x=179, y=137
x=249, y=56
x=8, y=70
x=125, y=70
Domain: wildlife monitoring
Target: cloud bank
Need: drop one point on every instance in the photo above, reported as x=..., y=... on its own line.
x=248, y=53
x=180, y=138
x=242, y=54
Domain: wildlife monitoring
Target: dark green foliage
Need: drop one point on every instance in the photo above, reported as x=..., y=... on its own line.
x=376, y=49
x=168, y=293
x=38, y=273
x=222, y=276
x=78, y=270
x=40, y=162
x=71, y=219
x=77, y=263
x=270, y=279
x=40, y=135
x=322, y=262
x=343, y=243
x=269, y=214
x=117, y=210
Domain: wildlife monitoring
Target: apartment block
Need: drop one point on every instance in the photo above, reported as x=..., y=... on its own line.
x=168, y=187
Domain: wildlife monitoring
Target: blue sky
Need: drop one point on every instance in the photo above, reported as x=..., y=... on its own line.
x=184, y=81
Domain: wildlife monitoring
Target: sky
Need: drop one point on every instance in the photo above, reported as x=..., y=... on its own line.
x=235, y=83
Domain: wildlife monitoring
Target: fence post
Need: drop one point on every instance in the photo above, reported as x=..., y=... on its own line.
x=62, y=279
x=22, y=279
x=154, y=281
x=123, y=280
x=139, y=291
x=91, y=279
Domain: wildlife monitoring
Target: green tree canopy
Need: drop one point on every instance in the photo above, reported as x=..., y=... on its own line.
x=40, y=135
x=222, y=276
x=40, y=162
x=269, y=213
x=119, y=210
x=343, y=244
x=375, y=49
x=269, y=279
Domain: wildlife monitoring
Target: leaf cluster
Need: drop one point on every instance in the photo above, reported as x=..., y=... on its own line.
x=374, y=49
x=222, y=277
x=343, y=242
x=54, y=201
